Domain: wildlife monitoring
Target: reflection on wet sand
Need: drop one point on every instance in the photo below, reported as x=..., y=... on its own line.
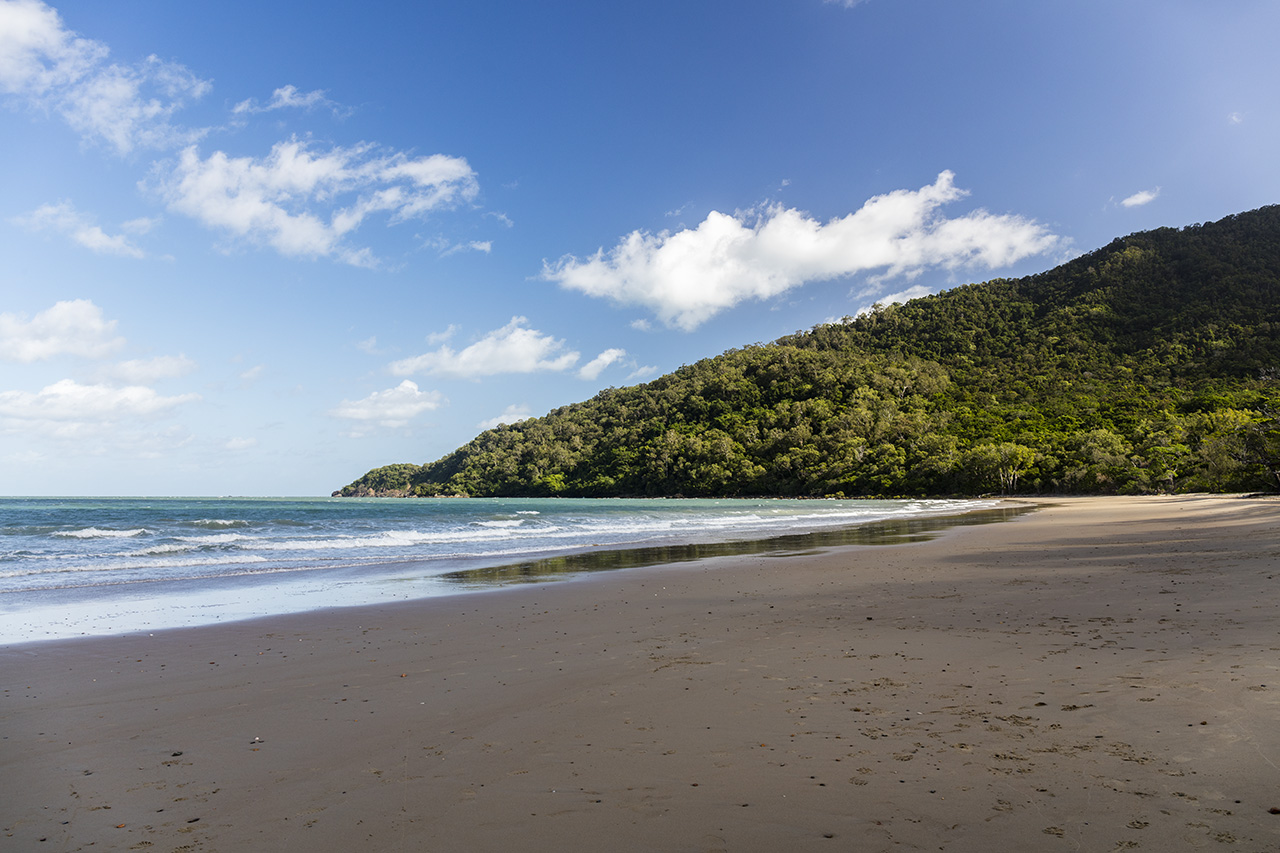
x=890, y=532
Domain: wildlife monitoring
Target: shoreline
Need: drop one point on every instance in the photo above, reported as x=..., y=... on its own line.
x=1099, y=673
x=150, y=604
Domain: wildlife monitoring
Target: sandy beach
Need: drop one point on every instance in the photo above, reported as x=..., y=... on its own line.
x=1101, y=674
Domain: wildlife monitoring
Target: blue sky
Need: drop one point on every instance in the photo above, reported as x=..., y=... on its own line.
x=261, y=248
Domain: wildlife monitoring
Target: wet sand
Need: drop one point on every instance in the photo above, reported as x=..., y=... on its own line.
x=1102, y=674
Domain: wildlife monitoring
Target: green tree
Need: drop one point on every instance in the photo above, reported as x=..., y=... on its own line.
x=999, y=465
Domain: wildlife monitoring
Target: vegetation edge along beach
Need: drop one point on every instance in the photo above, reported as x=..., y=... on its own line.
x=1151, y=365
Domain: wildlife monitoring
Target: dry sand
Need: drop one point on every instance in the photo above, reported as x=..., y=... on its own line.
x=1102, y=674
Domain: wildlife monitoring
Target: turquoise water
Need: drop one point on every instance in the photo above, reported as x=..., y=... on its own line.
x=91, y=566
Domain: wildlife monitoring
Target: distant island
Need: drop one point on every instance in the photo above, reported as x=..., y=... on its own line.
x=1150, y=365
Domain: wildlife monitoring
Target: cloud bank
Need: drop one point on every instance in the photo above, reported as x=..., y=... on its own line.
x=691, y=275
x=71, y=401
x=71, y=409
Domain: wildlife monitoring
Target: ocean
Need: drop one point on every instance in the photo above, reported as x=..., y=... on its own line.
x=96, y=566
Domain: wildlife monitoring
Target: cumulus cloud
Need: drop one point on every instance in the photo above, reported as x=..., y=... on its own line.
x=1140, y=198
x=74, y=327
x=123, y=106
x=63, y=218
x=392, y=408
x=513, y=414
x=514, y=348
x=68, y=408
x=592, y=369
x=289, y=199
x=691, y=275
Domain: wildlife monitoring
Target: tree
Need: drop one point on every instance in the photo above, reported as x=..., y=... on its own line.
x=999, y=464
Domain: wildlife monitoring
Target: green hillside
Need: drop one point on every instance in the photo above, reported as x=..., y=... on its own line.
x=1152, y=364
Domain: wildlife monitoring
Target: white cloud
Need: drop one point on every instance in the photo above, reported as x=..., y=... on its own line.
x=485, y=246
x=392, y=408
x=592, y=369
x=289, y=199
x=119, y=105
x=441, y=337
x=287, y=97
x=68, y=408
x=300, y=199
x=1235, y=118
x=146, y=371
x=74, y=327
x=253, y=373
x=141, y=225
x=848, y=4
x=689, y=276
x=124, y=106
x=647, y=371
x=36, y=53
x=445, y=248
x=512, y=415
x=894, y=298
x=512, y=349
x=1140, y=198
x=238, y=444
x=63, y=218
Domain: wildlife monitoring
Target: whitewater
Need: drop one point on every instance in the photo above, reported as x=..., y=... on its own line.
x=94, y=566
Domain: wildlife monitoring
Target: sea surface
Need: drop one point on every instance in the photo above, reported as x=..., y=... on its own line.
x=95, y=566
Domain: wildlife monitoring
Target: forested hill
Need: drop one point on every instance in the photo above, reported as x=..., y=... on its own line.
x=1147, y=365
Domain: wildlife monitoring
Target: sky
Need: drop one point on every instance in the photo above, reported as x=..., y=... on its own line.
x=259, y=249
